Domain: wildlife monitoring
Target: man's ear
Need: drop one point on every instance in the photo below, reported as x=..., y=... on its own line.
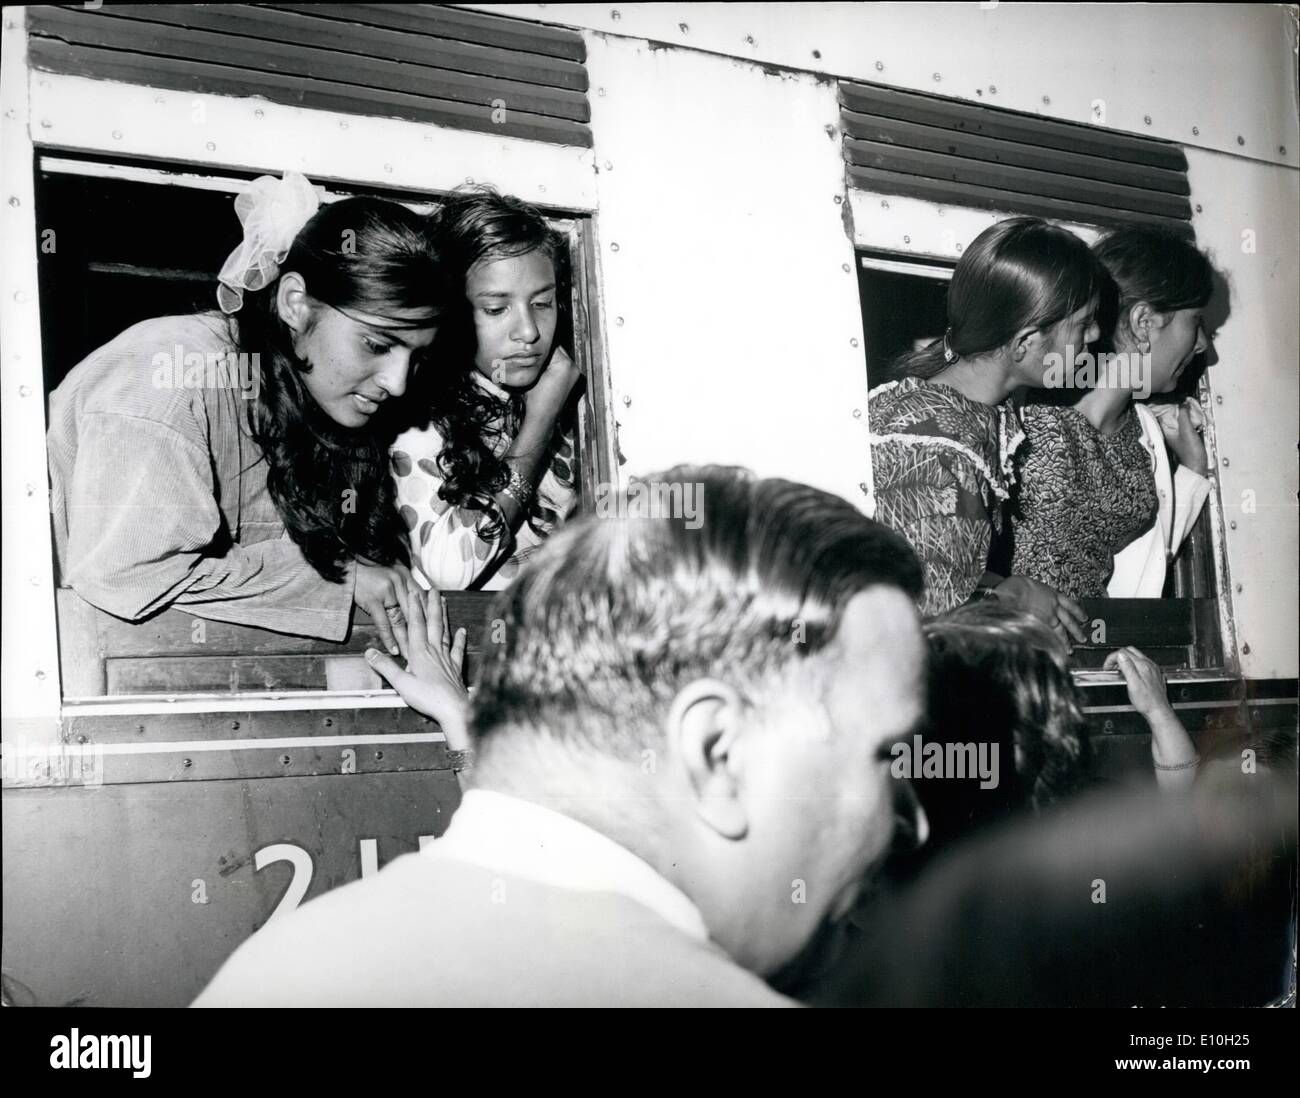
x=704, y=725
x=292, y=303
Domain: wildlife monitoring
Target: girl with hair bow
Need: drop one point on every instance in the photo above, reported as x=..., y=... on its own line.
x=234, y=463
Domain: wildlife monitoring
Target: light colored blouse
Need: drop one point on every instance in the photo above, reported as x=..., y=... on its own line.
x=449, y=543
x=1141, y=565
x=158, y=493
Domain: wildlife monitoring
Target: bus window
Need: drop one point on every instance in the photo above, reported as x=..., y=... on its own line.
x=108, y=261
x=903, y=301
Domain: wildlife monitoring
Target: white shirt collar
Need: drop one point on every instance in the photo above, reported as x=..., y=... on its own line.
x=524, y=839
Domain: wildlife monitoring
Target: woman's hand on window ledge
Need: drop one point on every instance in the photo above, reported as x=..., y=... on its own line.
x=1050, y=606
x=433, y=682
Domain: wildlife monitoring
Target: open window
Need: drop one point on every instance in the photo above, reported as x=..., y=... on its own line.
x=903, y=302
x=109, y=256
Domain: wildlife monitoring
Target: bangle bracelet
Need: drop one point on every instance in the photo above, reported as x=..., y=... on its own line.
x=1195, y=759
x=518, y=489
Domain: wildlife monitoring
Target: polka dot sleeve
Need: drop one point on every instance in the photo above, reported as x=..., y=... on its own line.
x=444, y=540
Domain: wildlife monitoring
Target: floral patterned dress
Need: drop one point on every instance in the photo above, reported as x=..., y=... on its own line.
x=942, y=466
x=448, y=542
x=1083, y=497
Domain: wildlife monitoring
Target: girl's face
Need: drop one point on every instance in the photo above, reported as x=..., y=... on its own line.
x=513, y=301
x=1068, y=338
x=359, y=360
x=1173, y=346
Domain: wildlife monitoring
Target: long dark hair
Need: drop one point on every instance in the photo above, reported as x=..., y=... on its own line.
x=999, y=675
x=1019, y=273
x=330, y=485
x=1151, y=264
x=472, y=225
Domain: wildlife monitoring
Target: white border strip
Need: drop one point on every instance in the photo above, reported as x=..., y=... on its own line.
x=176, y=747
x=127, y=120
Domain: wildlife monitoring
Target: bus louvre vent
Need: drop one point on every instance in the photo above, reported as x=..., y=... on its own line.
x=419, y=62
x=966, y=154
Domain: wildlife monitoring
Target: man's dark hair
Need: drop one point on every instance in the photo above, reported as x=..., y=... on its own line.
x=746, y=579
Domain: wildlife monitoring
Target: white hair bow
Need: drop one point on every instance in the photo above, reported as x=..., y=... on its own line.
x=273, y=212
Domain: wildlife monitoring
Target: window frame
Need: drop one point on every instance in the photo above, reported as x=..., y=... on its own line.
x=1201, y=561
x=596, y=447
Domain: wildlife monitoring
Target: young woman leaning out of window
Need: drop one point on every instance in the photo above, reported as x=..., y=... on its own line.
x=234, y=463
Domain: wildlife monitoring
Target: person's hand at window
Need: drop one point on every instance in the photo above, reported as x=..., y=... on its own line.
x=1182, y=425
x=1057, y=610
x=1172, y=751
x=433, y=682
x=379, y=591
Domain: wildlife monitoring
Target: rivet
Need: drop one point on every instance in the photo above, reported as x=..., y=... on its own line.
x=939, y=211
x=993, y=89
x=1218, y=400
x=817, y=55
x=31, y=489
x=1232, y=525
x=1225, y=462
x=1047, y=99
x=388, y=167
x=328, y=722
x=619, y=321
x=616, y=15
x=379, y=754
x=1240, y=140
x=234, y=726
x=139, y=730
x=284, y=760
x=937, y=77
x=863, y=486
x=46, y=124
x=880, y=66
x=187, y=762
x=13, y=200
x=1281, y=150
x=541, y=187
x=857, y=413
x=600, y=92
x=259, y=113
x=609, y=167
x=907, y=240
x=117, y=135
x=40, y=675
x=212, y=146
x=838, y=199
x=749, y=39
x=1108, y=725
x=1196, y=131
x=23, y=390
x=1147, y=119
x=1198, y=208
x=1238, y=588
x=845, y=268
x=960, y=246
x=684, y=28
x=613, y=247
x=1245, y=650
x=883, y=204
x=343, y=125
x=853, y=342
x=627, y=402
